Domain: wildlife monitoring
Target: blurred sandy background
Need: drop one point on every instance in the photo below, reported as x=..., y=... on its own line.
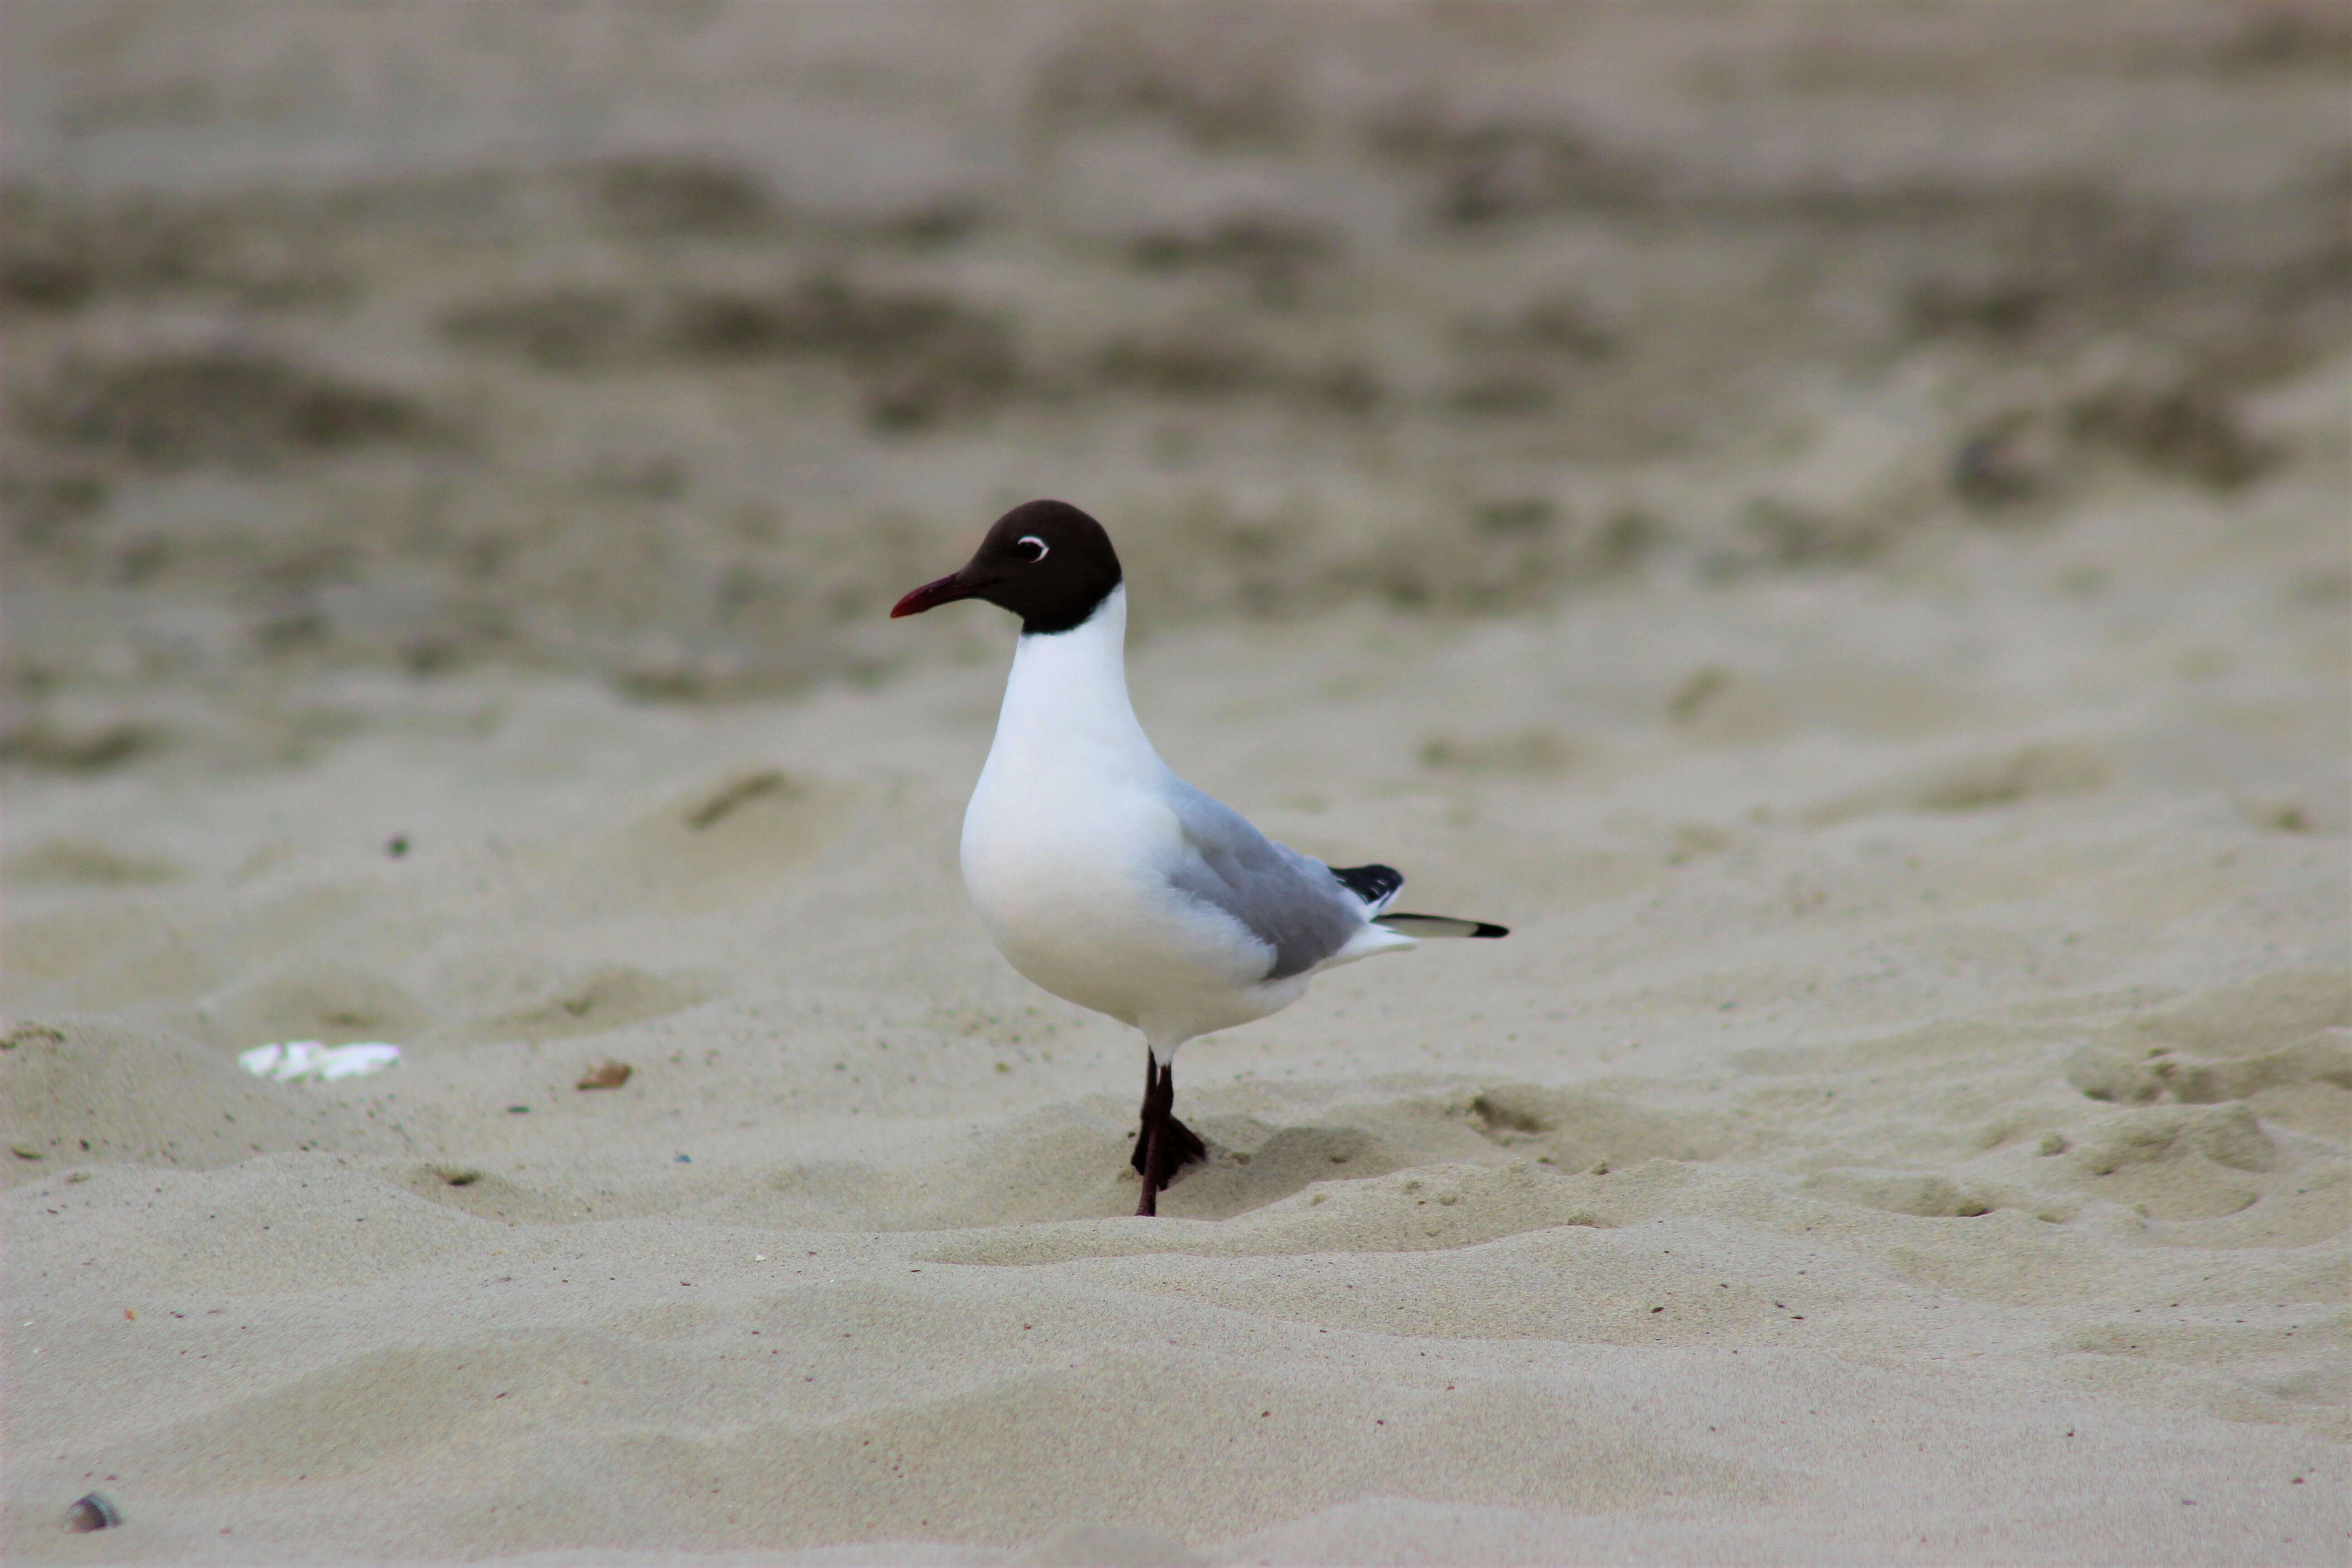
x=1829, y=519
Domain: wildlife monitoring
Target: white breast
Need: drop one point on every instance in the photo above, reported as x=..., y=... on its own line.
x=1067, y=841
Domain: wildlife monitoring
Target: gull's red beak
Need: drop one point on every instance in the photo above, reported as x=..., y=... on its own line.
x=930, y=595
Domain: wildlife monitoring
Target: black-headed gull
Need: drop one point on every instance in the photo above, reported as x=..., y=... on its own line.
x=1102, y=876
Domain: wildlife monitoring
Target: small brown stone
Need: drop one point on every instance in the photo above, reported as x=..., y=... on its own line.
x=606, y=1074
x=94, y=1512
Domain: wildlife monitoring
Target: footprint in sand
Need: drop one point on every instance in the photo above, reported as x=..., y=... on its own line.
x=1976, y=783
x=726, y=842
x=1574, y=1130
x=2174, y=1162
x=484, y=1194
x=2283, y=1043
x=606, y=997
x=87, y=863
x=1923, y=1195
x=313, y=999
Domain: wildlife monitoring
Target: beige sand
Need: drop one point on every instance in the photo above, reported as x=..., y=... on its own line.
x=1909, y=1121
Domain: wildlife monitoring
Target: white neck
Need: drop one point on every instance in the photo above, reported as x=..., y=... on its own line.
x=1067, y=693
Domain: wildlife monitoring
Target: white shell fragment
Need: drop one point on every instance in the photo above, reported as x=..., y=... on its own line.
x=309, y=1061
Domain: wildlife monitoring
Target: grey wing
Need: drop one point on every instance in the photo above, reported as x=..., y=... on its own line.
x=1285, y=900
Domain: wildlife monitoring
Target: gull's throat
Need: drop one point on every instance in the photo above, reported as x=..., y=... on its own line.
x=1067, y=691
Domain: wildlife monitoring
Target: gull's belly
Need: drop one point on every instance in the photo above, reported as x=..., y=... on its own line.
x=1073, y=890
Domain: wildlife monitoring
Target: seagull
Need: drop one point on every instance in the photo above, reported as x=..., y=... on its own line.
x=1105, y=878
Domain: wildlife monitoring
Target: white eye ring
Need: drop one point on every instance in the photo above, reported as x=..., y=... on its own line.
x=1032, y=539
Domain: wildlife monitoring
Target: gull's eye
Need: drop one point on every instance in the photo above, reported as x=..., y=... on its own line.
x=1031, y=546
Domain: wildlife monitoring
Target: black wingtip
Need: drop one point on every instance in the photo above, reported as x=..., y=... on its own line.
x=1375, y=885
x=1438, y=925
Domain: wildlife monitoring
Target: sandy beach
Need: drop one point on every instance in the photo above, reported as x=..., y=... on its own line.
x=1831, y=523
